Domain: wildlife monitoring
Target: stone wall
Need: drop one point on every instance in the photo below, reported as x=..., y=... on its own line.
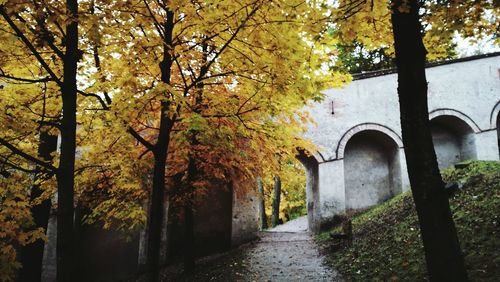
x=223, y=219
x=310, y=164
x=103, y=255
x=370, y=170
x=245, y=216
x=464, y=105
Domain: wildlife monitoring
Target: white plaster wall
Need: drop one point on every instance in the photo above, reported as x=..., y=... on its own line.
x=488, y=148
x=405, y=181
x=447, y=147
x=312, y=194
x=367, y=174
x=331, y=188
x=468, y=146
x=371, y=100
x=471, y=87
x=395, y=172
x=469, y=90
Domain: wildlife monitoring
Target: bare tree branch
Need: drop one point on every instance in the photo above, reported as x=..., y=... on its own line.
x=30, y=46
x=22, y=79
x=101, y=101
x=26, y=156
x=141, y=140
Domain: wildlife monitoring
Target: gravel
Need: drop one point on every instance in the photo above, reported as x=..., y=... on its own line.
x=296, y=225
x=285, y=253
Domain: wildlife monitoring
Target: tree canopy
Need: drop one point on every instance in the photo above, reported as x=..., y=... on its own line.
x=149, y=77
x=142, y=93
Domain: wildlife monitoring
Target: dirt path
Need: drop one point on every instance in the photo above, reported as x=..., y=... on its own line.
x=287, y=256
x=296, y=225
x=277, y=256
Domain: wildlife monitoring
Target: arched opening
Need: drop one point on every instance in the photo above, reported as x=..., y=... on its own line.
x=454, y=140
x=298, y=204
x=372, y=171
x=498, y=133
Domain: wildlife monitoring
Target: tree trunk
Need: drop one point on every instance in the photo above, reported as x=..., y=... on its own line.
x=193, y=175
x=276, y=201
x=442, y=249
x=32, y=254
x=189, y=263
x=65, y=172
x=188, y=248
x=164, y=231
x=262, y=207
x=156, y=211
x=156, y=215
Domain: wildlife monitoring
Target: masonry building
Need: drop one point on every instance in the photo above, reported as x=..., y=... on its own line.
x=361, y=161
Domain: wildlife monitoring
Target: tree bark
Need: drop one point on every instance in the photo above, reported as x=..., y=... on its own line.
x=156, y=214
x=189, y=263
x=276, y=201
x=65, y=172
x=262, y=207
x=188, y=244
x=442, y=249
x=156, y=211
x=193, y=175
x=32, y=254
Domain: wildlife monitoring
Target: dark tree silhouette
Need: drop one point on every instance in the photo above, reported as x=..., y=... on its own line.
x=442, y=249
x=276, y=201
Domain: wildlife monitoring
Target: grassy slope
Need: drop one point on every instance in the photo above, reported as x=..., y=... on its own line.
x=387, y=245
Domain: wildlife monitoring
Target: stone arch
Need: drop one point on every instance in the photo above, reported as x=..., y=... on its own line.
x=311, y=166
x=372, y=168
x=451, y=112
x=495, y=122
x=494, y=116
x=454, y=136
x=498, y=133
x=362, y=127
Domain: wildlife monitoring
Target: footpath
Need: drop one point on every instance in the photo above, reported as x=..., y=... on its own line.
x=285, y=253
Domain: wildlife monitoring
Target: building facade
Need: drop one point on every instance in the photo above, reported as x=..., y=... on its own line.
x=361, y=161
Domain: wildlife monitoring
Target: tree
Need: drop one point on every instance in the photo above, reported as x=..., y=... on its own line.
x=262, y=206
x=355, y=58
x=442, y=248
x=224, y=95
x=366, y=27
x=32, y=254
x=275, y=216
x=225, y=75
x=26, y=139
x=441, y=19
x=50, y=41
x=293, y=198
x=18, y=227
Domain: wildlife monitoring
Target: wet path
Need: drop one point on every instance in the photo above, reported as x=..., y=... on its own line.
x=286, y=256
x=277, y=256
x=296, y=225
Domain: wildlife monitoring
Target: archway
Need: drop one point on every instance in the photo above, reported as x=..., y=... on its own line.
x=454, y=140
x=498, y=133
x=495, y=122
x=372, y=170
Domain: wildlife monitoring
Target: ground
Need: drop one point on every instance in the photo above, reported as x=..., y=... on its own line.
x=286, y=253
x=386, y=243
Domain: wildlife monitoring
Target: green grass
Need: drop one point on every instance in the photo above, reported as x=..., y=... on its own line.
x=387, y=245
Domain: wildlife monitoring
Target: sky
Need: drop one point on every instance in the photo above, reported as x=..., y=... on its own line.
x=466, y=49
